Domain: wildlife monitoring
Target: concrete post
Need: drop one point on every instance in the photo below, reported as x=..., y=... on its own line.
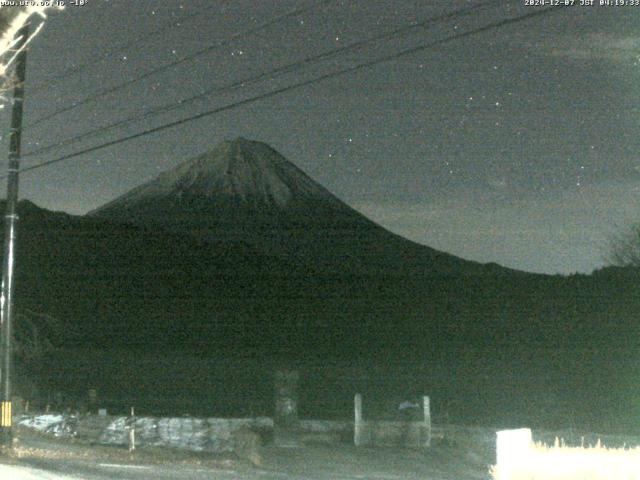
x=132, y=430
x=426, y=406
x=285, y=419
x=358, y=426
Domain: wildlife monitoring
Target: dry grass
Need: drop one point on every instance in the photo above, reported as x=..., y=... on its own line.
x=541, y=462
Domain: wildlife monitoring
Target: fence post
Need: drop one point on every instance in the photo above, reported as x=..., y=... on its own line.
x=92, y=395
x=132, y=431
x=286, y=423
x=358, y=426
x=426, y=406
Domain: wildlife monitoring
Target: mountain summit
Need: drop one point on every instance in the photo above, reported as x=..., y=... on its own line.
x=241, y=191
x=238, y=173
x=245, y=192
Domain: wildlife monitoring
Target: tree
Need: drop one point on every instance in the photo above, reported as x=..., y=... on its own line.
x=624, y=248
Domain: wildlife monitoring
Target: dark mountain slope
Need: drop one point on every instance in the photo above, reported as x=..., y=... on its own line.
x=496, y=346
x=118, y=284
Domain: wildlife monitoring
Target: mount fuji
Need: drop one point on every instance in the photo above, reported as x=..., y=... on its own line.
x=245, y=192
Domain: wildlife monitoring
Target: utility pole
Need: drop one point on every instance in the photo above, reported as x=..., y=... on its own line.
x=11, y=217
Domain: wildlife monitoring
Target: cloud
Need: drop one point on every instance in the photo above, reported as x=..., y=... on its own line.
x=559, y=233
x=497, y=183
x=596, y=46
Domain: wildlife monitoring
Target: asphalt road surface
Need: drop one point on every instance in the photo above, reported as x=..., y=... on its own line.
x=65, y=470
x=317, y=463
x=39, y=457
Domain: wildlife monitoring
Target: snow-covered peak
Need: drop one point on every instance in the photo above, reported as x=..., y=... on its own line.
x=248, y=172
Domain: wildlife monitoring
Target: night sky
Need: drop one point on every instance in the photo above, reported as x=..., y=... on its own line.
x=518, y=145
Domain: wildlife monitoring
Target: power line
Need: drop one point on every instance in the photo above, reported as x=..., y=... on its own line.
x=170, y=65
x=133, y=44
x=270, y=74
x=273, y=93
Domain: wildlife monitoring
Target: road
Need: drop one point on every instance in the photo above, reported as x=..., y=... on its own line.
x=309, y=465
x=65, y=470
x=42, y=458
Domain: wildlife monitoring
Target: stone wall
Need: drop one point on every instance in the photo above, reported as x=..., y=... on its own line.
x=196, y=434
x=217, y=434
x=387, y=433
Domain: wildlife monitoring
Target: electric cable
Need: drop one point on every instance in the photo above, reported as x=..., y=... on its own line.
x=133, y=44
x=170, y=65
x=273, y=93
x=272, y=74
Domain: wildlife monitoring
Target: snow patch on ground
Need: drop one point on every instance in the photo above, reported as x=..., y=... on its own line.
x=58, y=425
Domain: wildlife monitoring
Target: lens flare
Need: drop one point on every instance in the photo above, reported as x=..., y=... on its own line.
x=12, y=19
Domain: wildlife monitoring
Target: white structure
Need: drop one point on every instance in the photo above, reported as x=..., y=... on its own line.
x=512, y=448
